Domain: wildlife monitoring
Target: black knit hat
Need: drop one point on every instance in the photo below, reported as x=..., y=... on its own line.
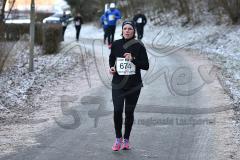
x=130, y=23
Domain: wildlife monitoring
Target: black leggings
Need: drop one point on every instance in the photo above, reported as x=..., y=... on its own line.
x=120, y=96
x=105, y=35
x=140, y=31
x=63, y=31
x=78, y=28
x=111, y=32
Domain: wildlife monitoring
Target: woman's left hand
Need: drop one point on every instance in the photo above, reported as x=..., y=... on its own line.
x=128, y=56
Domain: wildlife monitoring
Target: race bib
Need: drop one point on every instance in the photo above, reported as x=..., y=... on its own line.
x=125, y=67
x=139, y=20
x=77, y=23
x=64, y=24
x=111, y=17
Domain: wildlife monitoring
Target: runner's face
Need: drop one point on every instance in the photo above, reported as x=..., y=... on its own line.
x=128, y=31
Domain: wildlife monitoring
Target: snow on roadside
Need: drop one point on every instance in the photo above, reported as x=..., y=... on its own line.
x=18, y=86
x=220, y=43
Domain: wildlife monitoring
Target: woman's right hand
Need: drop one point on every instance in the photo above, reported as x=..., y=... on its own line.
x=112, y=70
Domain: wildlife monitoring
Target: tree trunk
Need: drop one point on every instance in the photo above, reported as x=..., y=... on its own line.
x=185, y=9
x=232, y=10
x=2, y=5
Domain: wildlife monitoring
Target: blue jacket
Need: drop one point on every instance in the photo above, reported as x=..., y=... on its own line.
x=104, y=21
x=112, y=16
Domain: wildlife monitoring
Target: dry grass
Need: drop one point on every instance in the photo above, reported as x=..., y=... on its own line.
x=5, y=48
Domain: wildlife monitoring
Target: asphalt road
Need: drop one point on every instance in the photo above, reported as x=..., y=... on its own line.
x=181, y=114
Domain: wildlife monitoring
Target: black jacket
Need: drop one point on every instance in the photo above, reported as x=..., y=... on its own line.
x=143, y=21
x=64, y=20
x=138, y=51
x=78, y=21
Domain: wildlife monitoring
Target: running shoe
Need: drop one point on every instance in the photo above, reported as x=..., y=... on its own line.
x=117, y=144
x=125, y=144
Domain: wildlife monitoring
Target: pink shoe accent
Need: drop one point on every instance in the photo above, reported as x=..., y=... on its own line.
x=110, y=46
x=117, y=144
x=125, y=144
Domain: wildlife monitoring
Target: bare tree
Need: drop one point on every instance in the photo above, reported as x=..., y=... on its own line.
x=184, y=9
x=88, y=9
x=232, y=7
x=11, y=7
x=2, y=5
